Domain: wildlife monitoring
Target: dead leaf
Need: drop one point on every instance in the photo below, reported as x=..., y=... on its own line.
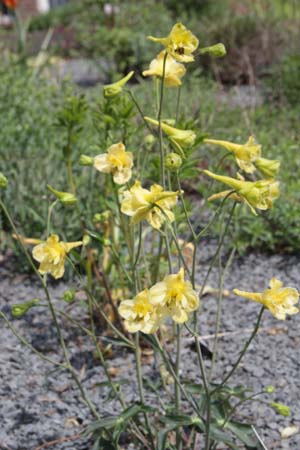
x=289, y=431
x=72, y=422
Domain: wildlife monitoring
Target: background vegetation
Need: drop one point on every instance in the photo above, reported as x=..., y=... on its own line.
x=262, y=63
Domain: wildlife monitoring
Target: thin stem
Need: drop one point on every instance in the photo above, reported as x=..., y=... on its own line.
x=219, y=209
x=139, y=246
x=61, y=340
x=161, y=150
x=139, y=109
x=70, y=176
x=184, y=207
x=246, y=346
x=108, y=321
x=177, y=104
x=117, y=393
x=176, y=379
x=220, y=244
x=206, y=387
x=50, y=211
x=219, y=310
x=28, y=345
x=140, y=383
x=177, y=388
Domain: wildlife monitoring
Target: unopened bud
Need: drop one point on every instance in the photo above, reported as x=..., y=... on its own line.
x=283, y=410
x=173, y=161
x=270, y=389
x=149, y=139
x=101, y=217
x=3, y=181
x=66, y=198
x=85, y=160
x=111, y=90
x=20, y=309
x=69, y=295
x=217, y=50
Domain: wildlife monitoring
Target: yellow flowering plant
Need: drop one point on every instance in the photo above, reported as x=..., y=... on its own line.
x=138, y=269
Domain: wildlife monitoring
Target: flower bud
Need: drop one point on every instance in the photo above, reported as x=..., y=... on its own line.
x=3, y=181
x=268, y=167
x=101, y=217
x=270, y=389
x=173, y=161
x=69, y=295
x=111, y=90
x=217, y=50
x=85, y=160
x=20, y=309
x=149, y=139
x=281, y=409
x=65, y=198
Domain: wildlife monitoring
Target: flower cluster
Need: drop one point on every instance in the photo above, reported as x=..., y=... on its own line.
x=258, y=194
x=173, y=297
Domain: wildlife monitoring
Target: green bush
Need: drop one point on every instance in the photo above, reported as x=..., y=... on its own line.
x=285, y=81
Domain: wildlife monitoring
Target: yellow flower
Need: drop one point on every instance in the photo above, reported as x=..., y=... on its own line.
x=180, y=43
x=140, y=204
x=116, y=161
x=180, y=138
x=245, y=154
x=279, y=300
x=110, y=90
x=51, y=255
x=268, y=167
x=173, y=70
x=256, y=194
x=140, y=314
x=176, y=296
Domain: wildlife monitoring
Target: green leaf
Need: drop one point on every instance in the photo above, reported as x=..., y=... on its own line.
x=162, y=437
x=107, y=422
x=178, y=419
x=220, y=436
x=244, y=433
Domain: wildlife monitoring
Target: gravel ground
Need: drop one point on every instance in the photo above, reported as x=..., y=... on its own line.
x=40, y=405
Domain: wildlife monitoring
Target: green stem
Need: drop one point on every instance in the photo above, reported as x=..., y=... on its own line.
x=184, y=207
x=246, y=346
x=139, y=110
x=50, y=210
x=177, y=388
x=177, y=104
x=139, y=246
x=140, y=383
x=70, y=176
x=206, y=387
x=161, y=150
x=219, y=310
x=195, y=316
x=176, y=379
x=156, y=272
